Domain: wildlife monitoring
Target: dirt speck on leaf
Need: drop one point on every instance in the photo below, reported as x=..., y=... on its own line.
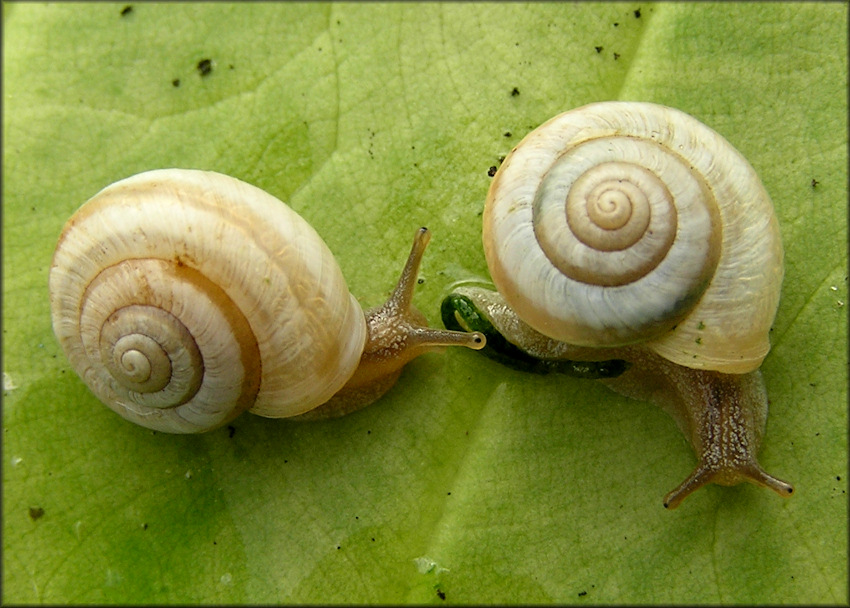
x=205, y=67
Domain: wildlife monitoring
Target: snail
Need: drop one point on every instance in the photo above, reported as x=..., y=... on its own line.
x=631, y=243
x=183, y=298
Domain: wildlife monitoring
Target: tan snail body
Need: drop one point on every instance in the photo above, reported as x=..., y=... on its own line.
x=625, y=230
x=183, y=298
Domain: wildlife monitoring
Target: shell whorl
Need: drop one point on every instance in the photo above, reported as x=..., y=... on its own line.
x=183, y=298
x=625, y=222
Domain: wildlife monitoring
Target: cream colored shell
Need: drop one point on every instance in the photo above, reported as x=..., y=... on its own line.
x=624, y=222
x=184, y=297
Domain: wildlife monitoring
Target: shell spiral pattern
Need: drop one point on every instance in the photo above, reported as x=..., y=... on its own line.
x=183, y=298
x=623, y=222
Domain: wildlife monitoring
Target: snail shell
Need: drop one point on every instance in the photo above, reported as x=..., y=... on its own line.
x=625, y=222
x=183, y=298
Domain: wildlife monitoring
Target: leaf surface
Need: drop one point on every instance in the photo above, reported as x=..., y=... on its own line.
x=468, y=482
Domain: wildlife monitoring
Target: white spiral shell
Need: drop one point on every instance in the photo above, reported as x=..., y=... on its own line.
x=625, y=222
x=184, y=297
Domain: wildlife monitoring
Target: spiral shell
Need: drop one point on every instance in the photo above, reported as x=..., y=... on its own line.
x=184, y=297
x=624, y=222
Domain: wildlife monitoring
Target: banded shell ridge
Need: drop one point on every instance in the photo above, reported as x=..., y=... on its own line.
x=625, y=222
x=184, y=297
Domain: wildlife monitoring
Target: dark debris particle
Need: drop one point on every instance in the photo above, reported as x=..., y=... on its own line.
x=514, y=92
x=144, y=526
x=637, y=14
x=492, y=170
x=582, y=593
x=599, y=49
x=231, y=430
x=616, y=56
x=175, y=83
x=36, y=513
x=815, y=183
x=205, y=67
x=616, y=24
x=507, y=133
x=126, y=10
x=441, y=594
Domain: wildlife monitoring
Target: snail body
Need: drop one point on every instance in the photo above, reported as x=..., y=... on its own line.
x=183, y=298
x=631, y=233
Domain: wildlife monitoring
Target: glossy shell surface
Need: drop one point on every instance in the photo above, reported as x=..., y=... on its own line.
x=183, y=297
x=625, y=222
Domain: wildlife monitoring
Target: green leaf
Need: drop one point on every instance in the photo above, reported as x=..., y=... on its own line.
x=468, y=482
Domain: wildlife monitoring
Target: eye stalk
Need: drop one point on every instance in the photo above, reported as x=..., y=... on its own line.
x=397, y=334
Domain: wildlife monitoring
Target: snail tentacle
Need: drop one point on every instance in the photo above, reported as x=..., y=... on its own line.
x=397, y=333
